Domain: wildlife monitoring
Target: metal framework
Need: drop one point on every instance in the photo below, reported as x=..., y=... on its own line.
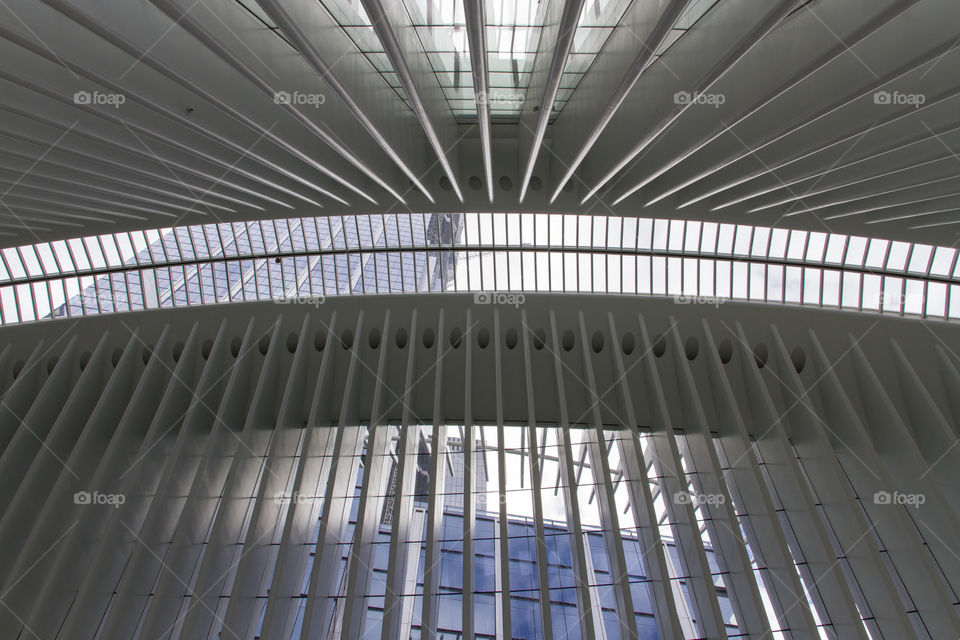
x=702, y=474
x=790, y=113
x=311, y=258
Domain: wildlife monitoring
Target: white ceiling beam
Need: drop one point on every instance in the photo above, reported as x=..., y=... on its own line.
x=769, y=22
x=556, y=41
x=600, y=112
x=309, y=49
x=477, y=38
x=401, y=43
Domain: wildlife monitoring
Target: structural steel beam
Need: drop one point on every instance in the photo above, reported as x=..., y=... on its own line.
x=476, y=20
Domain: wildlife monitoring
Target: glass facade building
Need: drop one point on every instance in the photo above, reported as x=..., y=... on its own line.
x=283, y=278
x=521, y=511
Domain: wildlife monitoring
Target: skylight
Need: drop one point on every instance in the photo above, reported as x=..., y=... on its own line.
x=513, y=35
x=408, y=253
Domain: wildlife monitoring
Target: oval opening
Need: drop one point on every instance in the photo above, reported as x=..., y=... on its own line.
x=52, y=363
x=374, y=338
x=597, y=342
x=401, y=338
x=567, y=341
x=659, y=346
x=117, y=353
x=429, y=337
x=456, y=338
x=483, y=337
x=264, y=344
x=511, y=338
x=628, y=344
x=320, y=340
x=692, y=347
x=292, y=340
x=799, y=358
x=539, y=339
x=346, y=339
x=178, y=351
x=725, y=351
x=760, y=354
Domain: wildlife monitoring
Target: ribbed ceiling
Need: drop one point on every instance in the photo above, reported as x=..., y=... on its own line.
x=836, y=116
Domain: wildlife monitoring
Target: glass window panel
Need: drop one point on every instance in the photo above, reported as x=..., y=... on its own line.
x=644, y=234
x=831, y=288
x=942, y=261
x=761, y=237
x=920, y=258
x=726, y=238
x=851, y=290
x=603, y=271
x=692, y=242
x=893, y=294
x=629, y=233
x=30, y=261
x=792, y=285
x=913, y=299
x=741, y=245
x=876, y=253
x=816, y=246
x=856, y=249
x=778, y=243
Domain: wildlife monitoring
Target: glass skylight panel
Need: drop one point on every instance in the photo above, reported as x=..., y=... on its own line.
x=675, y=236
x=761, y=236
x=29, y=258
x=856, y=248
x=778, y=243
x=696, y=10
x=47, y=260
x=513, y=35
x=614, y=231
x=442, y=30
x=597, y=22
x=469, y=252
x=742, y=240
x=353, y=19
x=920, y=258
x=942, y=261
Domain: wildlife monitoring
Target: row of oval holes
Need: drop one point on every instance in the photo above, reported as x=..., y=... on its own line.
x=511, y=339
